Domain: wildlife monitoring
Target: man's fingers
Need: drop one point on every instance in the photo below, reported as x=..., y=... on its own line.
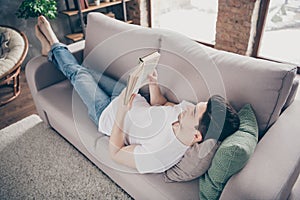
x=131, y=101
x=154, y=72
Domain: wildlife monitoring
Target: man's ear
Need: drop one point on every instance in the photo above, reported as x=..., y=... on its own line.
x=197, y=136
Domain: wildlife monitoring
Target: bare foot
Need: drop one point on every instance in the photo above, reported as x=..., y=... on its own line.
x=44, y=42
x=46, y=29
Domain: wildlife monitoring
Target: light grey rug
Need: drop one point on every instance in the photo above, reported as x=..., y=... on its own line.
x=37, y=163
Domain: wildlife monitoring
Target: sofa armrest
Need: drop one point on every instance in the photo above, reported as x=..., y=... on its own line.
x=292, y=94
x=274, y=167
x=40, y=73
x=77, y=49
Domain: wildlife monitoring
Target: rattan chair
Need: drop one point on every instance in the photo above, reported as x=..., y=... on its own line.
x=10, y=66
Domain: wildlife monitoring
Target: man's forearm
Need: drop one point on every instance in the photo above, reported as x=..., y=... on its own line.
x=118, y=151
x=116, y=140
x=156, y=98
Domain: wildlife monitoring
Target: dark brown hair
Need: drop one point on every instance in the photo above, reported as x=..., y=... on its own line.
x=220, y=119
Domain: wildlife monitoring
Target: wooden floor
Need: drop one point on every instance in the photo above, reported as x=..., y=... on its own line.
x=19, y=108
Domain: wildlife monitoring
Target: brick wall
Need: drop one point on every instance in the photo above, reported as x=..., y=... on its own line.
x=236, y=25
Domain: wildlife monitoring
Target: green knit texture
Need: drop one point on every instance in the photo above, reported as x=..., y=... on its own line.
x=231, y=157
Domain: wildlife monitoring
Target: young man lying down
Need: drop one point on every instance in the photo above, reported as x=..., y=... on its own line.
x=150, y=137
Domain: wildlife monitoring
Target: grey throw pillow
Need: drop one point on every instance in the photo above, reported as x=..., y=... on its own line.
x=194, y=163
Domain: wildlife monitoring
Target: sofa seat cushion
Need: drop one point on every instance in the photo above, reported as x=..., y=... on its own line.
x=58, y=102
x=61, y=102
x=68, y=115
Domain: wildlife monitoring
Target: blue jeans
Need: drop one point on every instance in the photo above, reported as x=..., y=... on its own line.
x=95, y=89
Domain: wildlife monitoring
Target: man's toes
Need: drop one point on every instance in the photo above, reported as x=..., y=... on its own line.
x=37, y=30
x=43, y=20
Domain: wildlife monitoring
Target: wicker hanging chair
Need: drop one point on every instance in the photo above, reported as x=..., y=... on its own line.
x=14, y=48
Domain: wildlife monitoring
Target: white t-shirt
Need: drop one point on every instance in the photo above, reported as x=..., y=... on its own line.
x=151, y=128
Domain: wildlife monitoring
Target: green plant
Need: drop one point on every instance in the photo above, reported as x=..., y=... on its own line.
x=35, y=8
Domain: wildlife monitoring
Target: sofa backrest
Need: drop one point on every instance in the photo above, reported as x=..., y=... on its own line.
x=188, y=70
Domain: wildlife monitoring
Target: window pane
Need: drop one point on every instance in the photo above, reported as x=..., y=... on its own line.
x=281, y=37
x=193, y=18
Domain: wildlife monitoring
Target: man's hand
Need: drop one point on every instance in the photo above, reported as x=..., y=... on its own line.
x=156, y=98
x=153, y=78
x=124, y=108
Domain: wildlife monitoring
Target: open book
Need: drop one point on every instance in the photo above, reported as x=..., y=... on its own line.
x=139, y=76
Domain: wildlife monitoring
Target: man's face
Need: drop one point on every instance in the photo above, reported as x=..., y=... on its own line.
x=189, y=119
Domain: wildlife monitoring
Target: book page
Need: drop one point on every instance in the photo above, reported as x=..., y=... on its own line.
x=149, y=64
x=131, y=82
x=139, y=76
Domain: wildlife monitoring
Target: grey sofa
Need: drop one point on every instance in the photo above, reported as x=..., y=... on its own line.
x=187, y=70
